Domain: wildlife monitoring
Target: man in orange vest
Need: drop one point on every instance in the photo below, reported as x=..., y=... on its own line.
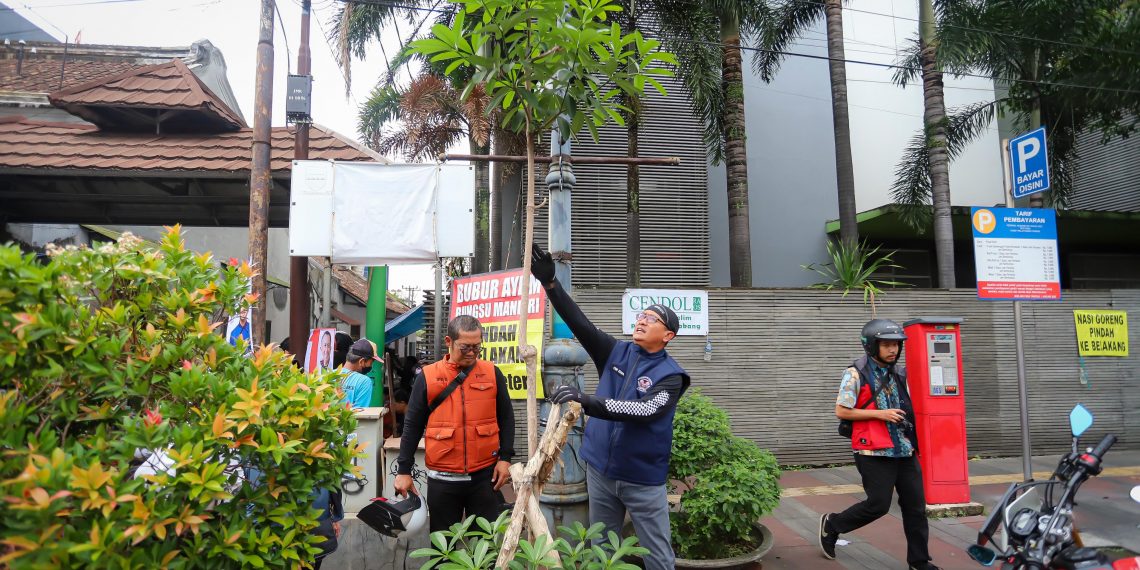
x=460, y=406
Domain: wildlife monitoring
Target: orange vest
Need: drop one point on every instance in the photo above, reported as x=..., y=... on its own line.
x=462, y=435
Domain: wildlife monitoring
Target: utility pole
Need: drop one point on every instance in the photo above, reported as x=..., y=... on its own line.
x=299, y=303
x=259, y=177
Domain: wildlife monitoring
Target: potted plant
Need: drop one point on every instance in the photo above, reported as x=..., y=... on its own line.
x=726, y=484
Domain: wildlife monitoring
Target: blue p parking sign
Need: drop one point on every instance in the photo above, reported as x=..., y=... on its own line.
x=1029, y=162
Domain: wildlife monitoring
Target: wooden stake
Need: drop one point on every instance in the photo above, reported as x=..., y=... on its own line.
x=538, y=470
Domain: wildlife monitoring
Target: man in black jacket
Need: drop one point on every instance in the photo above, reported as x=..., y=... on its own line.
x=630, y=432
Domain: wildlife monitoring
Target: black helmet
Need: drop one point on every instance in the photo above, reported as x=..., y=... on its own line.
x=395, y=518
x=880, y=329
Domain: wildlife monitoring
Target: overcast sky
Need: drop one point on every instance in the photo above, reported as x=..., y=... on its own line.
x=232, y=26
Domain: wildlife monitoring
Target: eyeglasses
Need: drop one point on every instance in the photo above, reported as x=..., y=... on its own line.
x=465, y=348
x=649, y=318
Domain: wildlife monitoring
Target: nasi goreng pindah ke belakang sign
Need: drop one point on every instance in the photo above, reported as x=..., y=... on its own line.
x=494, y=299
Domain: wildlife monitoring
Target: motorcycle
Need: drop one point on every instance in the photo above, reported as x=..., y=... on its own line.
x=1037, y=532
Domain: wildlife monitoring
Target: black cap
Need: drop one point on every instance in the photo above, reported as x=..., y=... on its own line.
x=364, y=348
x=667, y=316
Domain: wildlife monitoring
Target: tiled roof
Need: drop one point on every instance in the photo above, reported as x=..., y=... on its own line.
x=28, y=146
x=39, y=75
x=166, y=86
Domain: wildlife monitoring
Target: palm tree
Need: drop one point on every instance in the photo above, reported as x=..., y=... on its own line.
x=938, y=162
x=706, y=36
x=793, y=19
x=629, y=22
x=1030, y=50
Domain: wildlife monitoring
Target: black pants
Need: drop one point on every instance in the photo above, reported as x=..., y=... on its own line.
x=881, y=476
x=450, y=502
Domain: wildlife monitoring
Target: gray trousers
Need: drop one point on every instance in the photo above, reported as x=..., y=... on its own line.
x=648, y=507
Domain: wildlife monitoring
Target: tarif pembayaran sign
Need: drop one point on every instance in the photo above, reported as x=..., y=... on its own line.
x=1102, y=333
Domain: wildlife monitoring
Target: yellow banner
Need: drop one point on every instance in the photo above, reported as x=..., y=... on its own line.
x=1102, y=333
x=501, y=346
x=494, y=299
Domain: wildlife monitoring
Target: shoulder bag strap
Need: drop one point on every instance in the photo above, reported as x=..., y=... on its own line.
x=439, y=399
x=874, y=391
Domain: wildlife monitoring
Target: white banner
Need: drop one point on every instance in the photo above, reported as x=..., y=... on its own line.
x=363, y=213
x=691, y=306
x=384, y=215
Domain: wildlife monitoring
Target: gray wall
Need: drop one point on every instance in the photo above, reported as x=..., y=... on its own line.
x=791, y=175
x=777, y=362
x=1107, y=175
x=225, y=243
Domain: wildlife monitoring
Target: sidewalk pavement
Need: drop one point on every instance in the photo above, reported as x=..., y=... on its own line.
x=1105, y=515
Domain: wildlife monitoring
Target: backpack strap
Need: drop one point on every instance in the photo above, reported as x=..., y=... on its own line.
x=874, y=390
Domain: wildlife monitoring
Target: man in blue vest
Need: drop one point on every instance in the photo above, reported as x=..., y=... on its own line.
x=630, y=432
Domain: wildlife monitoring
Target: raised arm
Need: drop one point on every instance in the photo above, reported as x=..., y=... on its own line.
x=598, y=344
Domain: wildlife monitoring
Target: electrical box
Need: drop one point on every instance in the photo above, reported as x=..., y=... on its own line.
x=299, y=99
x=934, y=379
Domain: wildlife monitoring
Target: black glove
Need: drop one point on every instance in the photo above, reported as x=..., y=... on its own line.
x=541, y=265
x=563, y=394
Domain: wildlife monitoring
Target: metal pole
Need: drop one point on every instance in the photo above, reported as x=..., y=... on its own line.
x=1022, y=392
x=564, y=497
x=326, y=296
x=259, y=179
x=437, y=317
x=299, y=303
x=616, y=160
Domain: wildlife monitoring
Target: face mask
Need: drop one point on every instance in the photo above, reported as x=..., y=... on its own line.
x=366, y=370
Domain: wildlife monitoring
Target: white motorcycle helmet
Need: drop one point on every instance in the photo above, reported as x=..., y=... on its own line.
x=395, y=518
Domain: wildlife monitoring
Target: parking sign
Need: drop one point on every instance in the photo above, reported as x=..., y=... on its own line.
x=1029, y=162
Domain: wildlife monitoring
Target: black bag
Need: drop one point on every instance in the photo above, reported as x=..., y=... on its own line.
x=846, y=427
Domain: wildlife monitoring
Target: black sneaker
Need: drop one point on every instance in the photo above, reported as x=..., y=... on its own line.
x=924, y=566
x=827, y=539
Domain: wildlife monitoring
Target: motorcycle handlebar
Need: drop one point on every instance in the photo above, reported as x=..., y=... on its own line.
x=1103, y=446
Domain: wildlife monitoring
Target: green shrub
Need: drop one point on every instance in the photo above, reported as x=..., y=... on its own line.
x=727, y=482
x=474, y=544
x=109, y=351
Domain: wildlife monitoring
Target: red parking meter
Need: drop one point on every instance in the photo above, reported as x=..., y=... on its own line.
x=934, y=378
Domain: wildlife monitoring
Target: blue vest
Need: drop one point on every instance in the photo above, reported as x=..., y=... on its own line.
x=630, y=451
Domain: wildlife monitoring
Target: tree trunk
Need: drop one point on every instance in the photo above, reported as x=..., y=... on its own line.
x=934, y=119
x=633, y=196
x=1036, y=200
x=528, y=353
x=496, y=209
x=736, y=159
x=844, y=170
x=482, y=209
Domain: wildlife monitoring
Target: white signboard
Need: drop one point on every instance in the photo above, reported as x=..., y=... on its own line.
x=1015, y=254
x=691, y=306
x=366, y=213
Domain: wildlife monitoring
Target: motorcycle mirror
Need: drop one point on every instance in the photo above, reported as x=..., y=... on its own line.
x=1080, y=419
x=981, y=554
x=1135, y=493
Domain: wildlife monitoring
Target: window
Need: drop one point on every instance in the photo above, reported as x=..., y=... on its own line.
x=914, y=268
x=1104, y=270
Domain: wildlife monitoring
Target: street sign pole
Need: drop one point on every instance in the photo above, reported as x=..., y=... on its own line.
x=1022, y=392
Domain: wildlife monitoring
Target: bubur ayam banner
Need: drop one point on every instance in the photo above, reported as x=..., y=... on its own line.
x=494, y=299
